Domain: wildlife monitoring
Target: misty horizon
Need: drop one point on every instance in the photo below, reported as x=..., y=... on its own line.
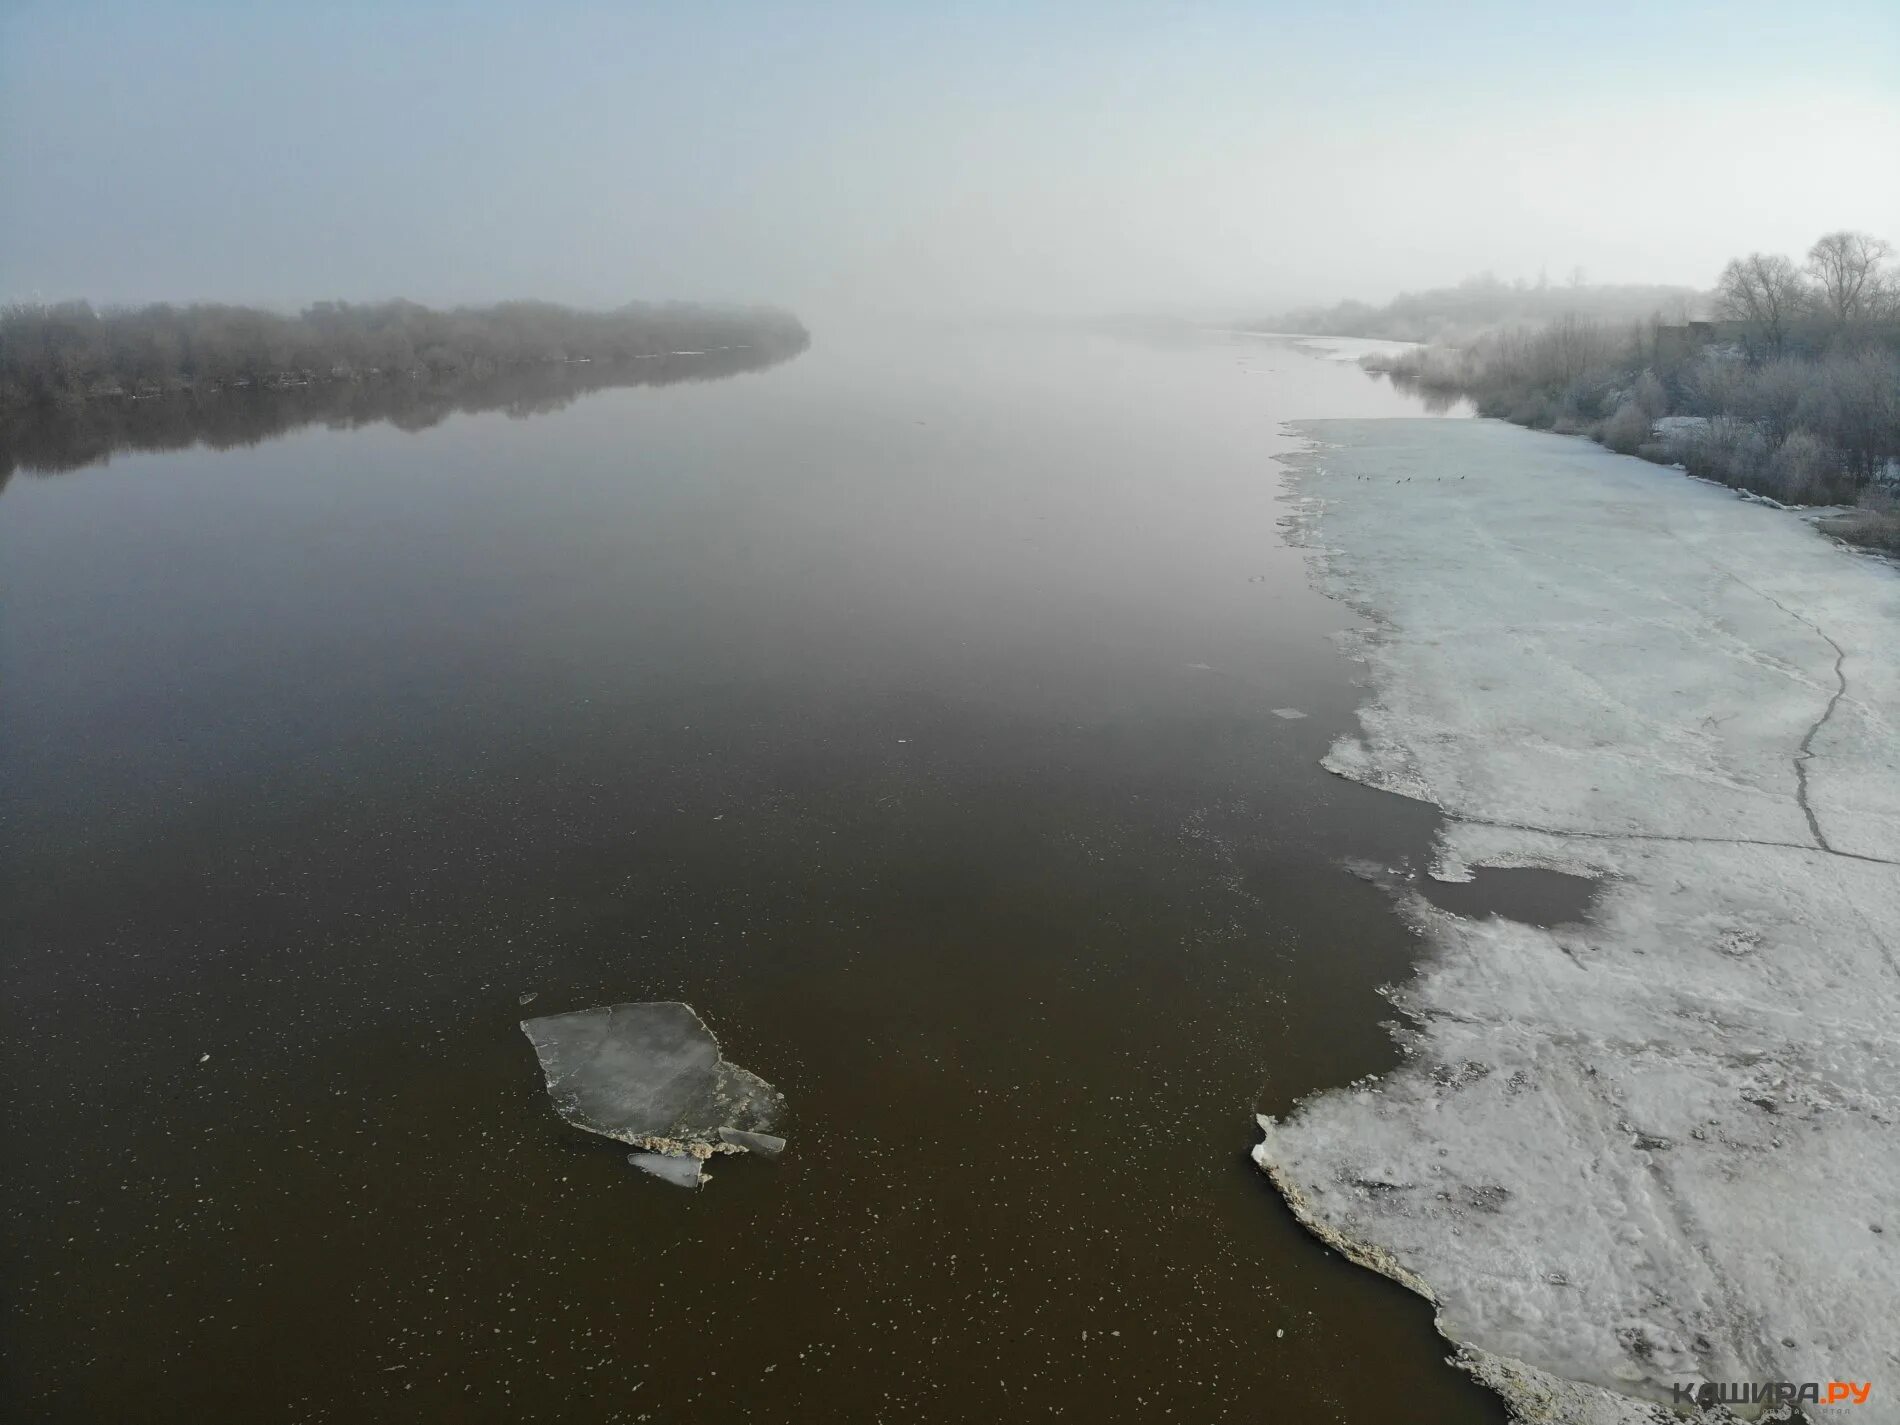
x=854, y=159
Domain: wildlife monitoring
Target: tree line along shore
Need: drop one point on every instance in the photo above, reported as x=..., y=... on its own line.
x=69, y=352
x=1787, y=385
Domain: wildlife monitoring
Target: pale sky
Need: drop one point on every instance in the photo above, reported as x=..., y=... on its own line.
x=1049, y=158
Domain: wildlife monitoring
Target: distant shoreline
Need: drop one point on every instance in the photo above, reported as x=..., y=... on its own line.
x=69, y=353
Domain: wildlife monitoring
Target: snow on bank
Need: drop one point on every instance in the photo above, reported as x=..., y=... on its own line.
x=1333, y=348
x=1664, y=1146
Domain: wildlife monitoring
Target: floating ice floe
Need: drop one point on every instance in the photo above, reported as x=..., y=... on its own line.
x=764, y=1144
x=1629, y=1158
x=650, y=1075
x=1288, y=713
x=679, y=1169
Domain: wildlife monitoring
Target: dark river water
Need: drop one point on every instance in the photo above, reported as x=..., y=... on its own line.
x=907, y=708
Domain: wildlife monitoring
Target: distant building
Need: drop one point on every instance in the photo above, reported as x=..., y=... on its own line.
x=1689, y=333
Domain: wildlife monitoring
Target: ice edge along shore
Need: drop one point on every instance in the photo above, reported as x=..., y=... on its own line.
x=1662, y=1147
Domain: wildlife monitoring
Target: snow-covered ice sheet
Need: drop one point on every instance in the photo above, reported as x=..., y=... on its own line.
x=1664, y=1146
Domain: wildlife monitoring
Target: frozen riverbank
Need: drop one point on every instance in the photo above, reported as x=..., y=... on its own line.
x=1658, y=1148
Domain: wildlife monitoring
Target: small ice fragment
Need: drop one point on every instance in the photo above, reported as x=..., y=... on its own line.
x=527, y=997
x=1288, y=713
x=649, y=1075
x=204, y=1058
x=1278, y=1334
x=764, y=1144
x=674, y=1168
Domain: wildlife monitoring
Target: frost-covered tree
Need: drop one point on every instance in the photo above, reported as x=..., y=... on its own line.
x=70, y=352
x=1766, y=293
x=1851, y=278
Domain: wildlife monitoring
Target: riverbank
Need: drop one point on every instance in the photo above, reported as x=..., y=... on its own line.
x=1814, y=422
x=1651, y=1150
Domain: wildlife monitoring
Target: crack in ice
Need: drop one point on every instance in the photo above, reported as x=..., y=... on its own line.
x=1581, y=834
x=1806, y=749
x=1807, y=743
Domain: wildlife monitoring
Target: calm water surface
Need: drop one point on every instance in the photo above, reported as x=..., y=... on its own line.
x=906, y=708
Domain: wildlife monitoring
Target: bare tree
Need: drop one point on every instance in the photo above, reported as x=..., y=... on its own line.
x=1849, y=270
x=1763, y=291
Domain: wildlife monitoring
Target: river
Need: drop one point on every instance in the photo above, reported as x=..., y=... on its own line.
x=913, y=709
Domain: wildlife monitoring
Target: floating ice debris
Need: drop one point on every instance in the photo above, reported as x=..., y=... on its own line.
x=764, y=1144
x=1288, y=713
x=528, y=997
x=679, y=1169
x=650, y=1075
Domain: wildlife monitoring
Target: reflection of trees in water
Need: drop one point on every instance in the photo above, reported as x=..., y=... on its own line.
x=50, y=438
x=1436, y=399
